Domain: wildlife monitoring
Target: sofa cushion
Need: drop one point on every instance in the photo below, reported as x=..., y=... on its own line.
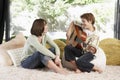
x=5, y=59
x=60, y=44
x=100, y=59
x=111, y=48
x=16, y=42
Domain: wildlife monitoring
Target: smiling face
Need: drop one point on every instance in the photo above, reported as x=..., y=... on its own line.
x=88, y=20
x=86, y=23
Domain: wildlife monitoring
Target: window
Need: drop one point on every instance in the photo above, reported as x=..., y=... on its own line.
x=59, y=14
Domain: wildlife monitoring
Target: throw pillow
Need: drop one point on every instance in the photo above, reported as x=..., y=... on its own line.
x=15, y=55
x=61, y=45
x=111, y=48
x=100, y=59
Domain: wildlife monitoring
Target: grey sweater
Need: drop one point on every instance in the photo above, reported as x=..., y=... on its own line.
x=32, y=45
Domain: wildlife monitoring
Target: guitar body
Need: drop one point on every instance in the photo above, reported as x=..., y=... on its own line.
x=77, y=36
x=72, y=39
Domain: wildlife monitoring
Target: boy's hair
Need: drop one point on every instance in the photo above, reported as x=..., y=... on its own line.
x=38, y=27
x=88, y=17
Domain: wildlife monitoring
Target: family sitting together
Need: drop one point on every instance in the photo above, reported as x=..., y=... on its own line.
x=81, y=47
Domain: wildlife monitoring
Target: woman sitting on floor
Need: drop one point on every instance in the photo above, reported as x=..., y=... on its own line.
x=35, y=54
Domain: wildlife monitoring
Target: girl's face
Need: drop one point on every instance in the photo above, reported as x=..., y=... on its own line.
x=85, y=23
x=46, y=29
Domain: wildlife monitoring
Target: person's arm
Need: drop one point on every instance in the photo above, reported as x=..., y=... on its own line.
x=39, y=47
x=92, y=42
x=57, y=51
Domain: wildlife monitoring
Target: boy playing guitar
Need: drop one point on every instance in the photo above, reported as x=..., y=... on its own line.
x=78, y=38
x=82, y=42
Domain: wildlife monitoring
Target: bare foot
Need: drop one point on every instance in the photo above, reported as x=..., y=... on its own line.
x=62, y=71
x=97, y=69
x=77, y=71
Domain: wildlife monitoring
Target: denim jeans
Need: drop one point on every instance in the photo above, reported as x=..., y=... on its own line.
x=37, y=60
x=83, y=61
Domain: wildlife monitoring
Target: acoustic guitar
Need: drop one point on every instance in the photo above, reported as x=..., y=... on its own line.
x=78, y=37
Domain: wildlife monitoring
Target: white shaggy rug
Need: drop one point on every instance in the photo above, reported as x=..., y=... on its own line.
x=17, y=73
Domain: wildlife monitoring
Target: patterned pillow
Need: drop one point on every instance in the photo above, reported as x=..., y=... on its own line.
x=15, y=55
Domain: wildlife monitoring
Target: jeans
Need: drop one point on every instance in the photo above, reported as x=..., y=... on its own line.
x=37, y=60
x=83, y=61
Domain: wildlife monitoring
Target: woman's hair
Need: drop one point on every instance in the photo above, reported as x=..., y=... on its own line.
x=38, y=27
x=89, y=17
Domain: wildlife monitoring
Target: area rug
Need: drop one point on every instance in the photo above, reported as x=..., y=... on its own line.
x=18, y=73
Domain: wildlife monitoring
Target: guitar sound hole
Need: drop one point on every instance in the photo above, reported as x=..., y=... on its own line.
x=75, y=38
